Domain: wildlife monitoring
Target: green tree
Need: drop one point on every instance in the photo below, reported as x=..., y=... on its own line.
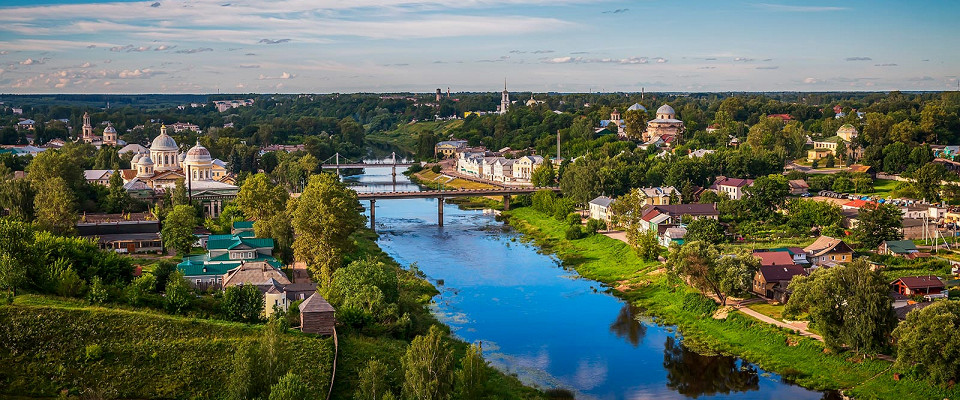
x=324, y=217
x=428, y=369
x=544, y=175
x=636, y=123
x=117, y=200
x=55, y=207
x=736, y=272
x=471, y=378
x=646, y=245
x=13, y=274
x=767, y=193
x=367, y=287
x=700, y=263
x=705, y=230
x=179, y=195
x=177, y=232
x=140, y=290
x=259, y=199
x=876, y=223
x=373, y=383
x=177, y=297
x=927, y=342
x=804, y=215
x=17, y=196
x=278, y=227
x=243, y=303
x=291, y=387
x=848, y=304
x=927, y=181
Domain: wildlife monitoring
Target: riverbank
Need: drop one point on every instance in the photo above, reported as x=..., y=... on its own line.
x=426, y=179
x=796, y=358
x=358, y=347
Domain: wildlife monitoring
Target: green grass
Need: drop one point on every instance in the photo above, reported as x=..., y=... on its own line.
x=44, y=342
x=405, y=136
x=882, y=188
x=671, y=302
x=774, y=311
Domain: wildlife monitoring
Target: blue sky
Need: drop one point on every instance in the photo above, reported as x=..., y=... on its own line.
x=320, y=46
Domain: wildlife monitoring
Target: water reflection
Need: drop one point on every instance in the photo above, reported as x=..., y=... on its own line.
x=695, y=375
x=627, y=325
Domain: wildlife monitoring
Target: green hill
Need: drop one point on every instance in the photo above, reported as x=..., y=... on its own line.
x=51, y=346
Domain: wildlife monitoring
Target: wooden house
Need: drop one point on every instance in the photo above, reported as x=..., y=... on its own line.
x=317, y=315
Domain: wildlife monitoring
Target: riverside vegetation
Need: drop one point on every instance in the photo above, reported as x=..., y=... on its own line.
x=796, y=358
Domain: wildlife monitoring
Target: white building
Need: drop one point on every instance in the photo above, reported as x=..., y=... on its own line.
x=524, y=166
x=600, y=208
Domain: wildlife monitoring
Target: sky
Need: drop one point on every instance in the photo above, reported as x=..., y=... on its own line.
x=324, y=46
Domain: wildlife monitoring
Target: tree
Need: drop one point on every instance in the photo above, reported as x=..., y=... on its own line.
x=179, y=195
x=55, y=207
x=927, y=181
x=259, y=199
x=177, y=296
x=636, y=123
x=117, y=200
x=544, y=175
x=627, y=213
x=243, y=303
x=471, y=378
x=290, y=387
x=428, y=370
x=646, y=245
x=849, y=305
x=927, y=342
x=804, y=215
x=138, y=291
x=373, y=383
x=13, y=274
x=736, y=273
x=366, y=287
x=324, y=217
x=700, y=263
x=177, y=232
x=767, y=193
x=17, y=196
x=279, y=228
x=705, y=230
x=876, y=223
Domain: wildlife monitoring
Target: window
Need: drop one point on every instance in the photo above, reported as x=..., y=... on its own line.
x=198, y=282
x=833, y=258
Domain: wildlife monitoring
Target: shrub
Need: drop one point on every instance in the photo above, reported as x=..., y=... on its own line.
x=178, y=294
x=98, y=293
x=93, y=352
x=243, y=303
x=69, y=283
x=140, y=290
x=573, y=219
x=416, y=167
x=574, y=232
x=594, y=225
x=698, y=304
x=436, y=168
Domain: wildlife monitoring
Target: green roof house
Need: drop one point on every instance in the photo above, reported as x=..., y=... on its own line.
x=901, y=248
x=225, y=252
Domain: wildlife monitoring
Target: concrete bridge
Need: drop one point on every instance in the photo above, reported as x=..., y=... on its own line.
x=441, y=194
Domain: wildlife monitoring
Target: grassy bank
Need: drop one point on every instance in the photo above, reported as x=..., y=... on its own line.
x=52, y=346
x=358, y=347
x=796, y=358
x=405, y=136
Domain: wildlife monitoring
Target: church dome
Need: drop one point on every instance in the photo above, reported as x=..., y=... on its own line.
x=136, y=158
x=637, y=107
x=666, y=109
x=181, y=157
x=198, y=155
x=847, y=128
x=110, y=129
x=164, y=143
x=145, y=160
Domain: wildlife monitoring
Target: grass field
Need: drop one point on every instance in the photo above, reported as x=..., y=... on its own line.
x=882, y=188
x=426, y=178
x=46, y=344
x=796, y=358
x=405, y=136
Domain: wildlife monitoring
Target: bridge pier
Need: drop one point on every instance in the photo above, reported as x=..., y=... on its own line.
x=506, y=202
x=394, y=172
x=373, y=215
x=440, y=211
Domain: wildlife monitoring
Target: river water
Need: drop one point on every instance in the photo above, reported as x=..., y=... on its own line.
x=543, y=323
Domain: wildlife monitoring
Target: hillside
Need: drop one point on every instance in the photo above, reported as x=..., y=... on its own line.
x=405, y=136
x=50, y=346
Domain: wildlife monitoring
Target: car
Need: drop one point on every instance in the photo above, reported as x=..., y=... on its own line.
x=805, y=195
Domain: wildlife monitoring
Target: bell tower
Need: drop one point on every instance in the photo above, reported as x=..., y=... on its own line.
x=87, y=128
x=504, y=99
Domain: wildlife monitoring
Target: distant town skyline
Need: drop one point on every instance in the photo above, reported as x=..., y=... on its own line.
x=320, y=46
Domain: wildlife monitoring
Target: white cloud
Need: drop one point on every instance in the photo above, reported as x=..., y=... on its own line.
x=583, y=60
x=285, y=75
x=32, y=61
x=811, y=80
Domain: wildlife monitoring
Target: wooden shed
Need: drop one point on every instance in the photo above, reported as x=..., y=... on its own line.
x=317, y=315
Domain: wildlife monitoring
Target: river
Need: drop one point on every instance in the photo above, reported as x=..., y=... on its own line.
x=547, y=325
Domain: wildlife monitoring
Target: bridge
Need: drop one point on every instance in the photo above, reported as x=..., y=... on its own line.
x=346, y=163
x=441, y=194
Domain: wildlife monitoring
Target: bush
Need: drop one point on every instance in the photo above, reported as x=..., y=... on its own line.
x=698, y=304
x=69, y=283
x=573, y=219
x=416, y=167
x=243, y=303
x=93, y=352
x=436, y=168
x=594, y=225
x=140, y=290
x=574, y=232
x=98, y=293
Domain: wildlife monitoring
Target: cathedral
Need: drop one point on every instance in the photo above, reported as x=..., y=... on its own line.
x=205, y=177
x=666, y=126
